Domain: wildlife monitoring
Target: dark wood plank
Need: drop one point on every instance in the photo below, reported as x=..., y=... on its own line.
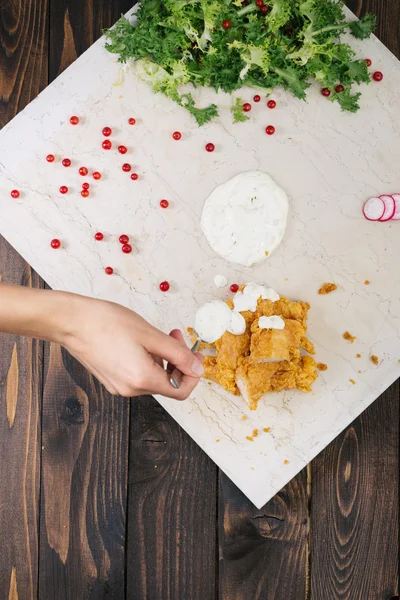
x=354, y=508
x=20, y=388
x=171, y=544
x=263, y=553
x=85, y=430
x=23, y=73
x=388, y=19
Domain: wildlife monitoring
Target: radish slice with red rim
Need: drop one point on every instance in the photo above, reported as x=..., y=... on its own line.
x=396, y=198
x=390, y=207
x=374, y=209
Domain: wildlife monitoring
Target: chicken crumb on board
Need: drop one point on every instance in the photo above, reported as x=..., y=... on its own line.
x=322, y=366
x=367, y=282
x=358, y=355
x=327, y=288
x=374, y=359
x=217, y=440
x=352, y=381
x=244, y=418
x=350, y=338
x=255, y=433
x=266, y=429
x=249, y=438
x=286, y=462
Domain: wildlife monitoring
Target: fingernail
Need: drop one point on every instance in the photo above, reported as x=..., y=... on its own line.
x=197, y=368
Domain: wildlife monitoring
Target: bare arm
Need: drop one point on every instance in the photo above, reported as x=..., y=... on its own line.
x=119, y=347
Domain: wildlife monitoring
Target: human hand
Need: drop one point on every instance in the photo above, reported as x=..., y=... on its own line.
x=125, y=352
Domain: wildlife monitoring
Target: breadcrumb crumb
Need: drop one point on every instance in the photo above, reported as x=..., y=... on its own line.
x=374, y=359
x=349, y=337
x=249, y=438
x=327, y=288
x=367, y=282
x=286, y=462
x=352, y=381
x=244, y=418
x=322, y=366
x=266, y=429
x=255, y=433
x=358, y=355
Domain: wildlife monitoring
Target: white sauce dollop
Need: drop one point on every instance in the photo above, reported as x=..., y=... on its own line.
x=214, y=318
x=247, y=300
x=244, y=219
x=274, y=322
x=220, y=281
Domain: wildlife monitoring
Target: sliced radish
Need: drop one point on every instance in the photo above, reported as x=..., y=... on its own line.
x=374, y=209
x=390, y=207
x=396, y=198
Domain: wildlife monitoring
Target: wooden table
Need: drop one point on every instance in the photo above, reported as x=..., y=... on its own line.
x=105, y=498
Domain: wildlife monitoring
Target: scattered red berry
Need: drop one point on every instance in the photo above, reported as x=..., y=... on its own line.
x=264, y=10
x=326, y=92
x=259, y=3
x=85, y=193
x=134, y=176
x=246, y=107
x=164, y=286
x=85, y=186
x=177, y=135
x=271, y=103
x=96, y=175
x=14, y=194
x=257, y=98
x=63, y=189
x=106, y=131
x=270, y=130
x=377, y=76
x=122, y=149
x=210, y=147
x=126, y=167
x=126, y=248
x=109, y=270
x=226, y=24
x=339, y=88
x=107, y=145
x=98, y=236
x=55, y=244
x=83, y=171
x=132, y=121
x=66, y=162
x=368, y=61
x=50, y=158
x=234, y=288
x=74, y=120
x=164, y=203
x=123, y=239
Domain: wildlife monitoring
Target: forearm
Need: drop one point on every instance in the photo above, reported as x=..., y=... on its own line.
x=34, y=313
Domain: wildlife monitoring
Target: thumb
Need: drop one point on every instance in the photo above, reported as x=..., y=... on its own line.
x=176, y=352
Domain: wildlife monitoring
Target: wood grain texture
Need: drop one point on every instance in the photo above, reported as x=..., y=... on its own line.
x=20, y=386
x=171, y=544
x=388, y=19
x=263, y=553
x=354, y=508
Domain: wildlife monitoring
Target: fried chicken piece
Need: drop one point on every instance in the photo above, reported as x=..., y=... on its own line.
x=231, y=347
x=292, y=310
x=275, y=344
x=306, y=345
x=306, y=374
x=254, y=380
x=220, y=374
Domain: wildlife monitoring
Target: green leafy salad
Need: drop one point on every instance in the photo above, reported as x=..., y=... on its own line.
x=226, y=45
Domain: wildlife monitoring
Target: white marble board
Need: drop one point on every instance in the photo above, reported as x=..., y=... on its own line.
x=328, y=162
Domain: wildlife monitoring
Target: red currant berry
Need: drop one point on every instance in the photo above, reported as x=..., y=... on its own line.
x=63, y=189
x=96, y=175
x=257, y=98
x=132, y=121
x=368, y=61
x=164, y=203
x=107, y=145
x=106, y=131
x=74, y=120
x=226, y=24
x=109, y=270
x=126, y=248
x=326, y=92
x=66, y=162
x=270, y=130
x=85, y=193
x=271, y=103
x=55, y=244
x=50, y=158
x=122, y=149
x=259, y=3
x=377, y=76
x=83, y=171
x=14, y=194
x=164, y=286
x=123, y=239
x=134, y=176
x=234, y=288
x=98, y=236
x=210, y=147
x=85, y=186
x=339, y=88
x=264, y=10
x=246, y=107
x=126, y=167
x=177, y=135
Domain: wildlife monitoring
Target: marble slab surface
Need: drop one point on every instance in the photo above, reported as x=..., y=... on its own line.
x=328, y=162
